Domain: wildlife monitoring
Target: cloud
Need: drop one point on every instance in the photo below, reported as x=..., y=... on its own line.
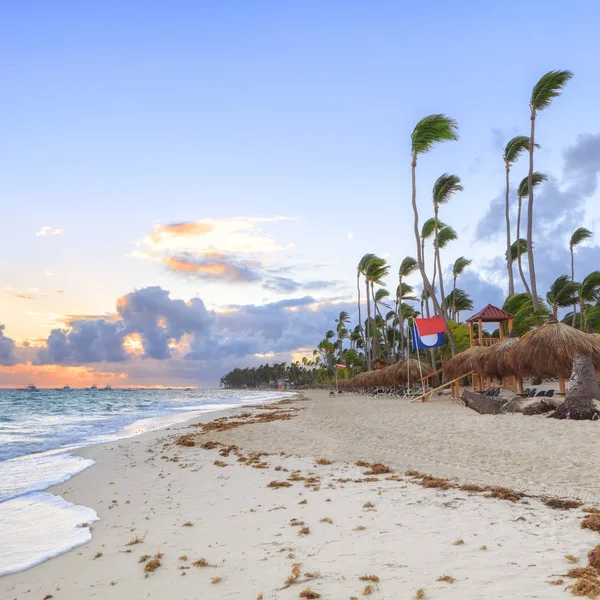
x=46, y=231
x=8, y=291
x=236, y=235
x=50, y=272
x=7, y=349
x=59, y=291
x=213, y=266
x=350, y=236
x=159, y=320
x=285, y=285
x=180, y=229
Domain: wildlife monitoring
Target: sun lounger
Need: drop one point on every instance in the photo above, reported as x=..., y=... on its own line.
x=549, y=393
x=542, y=393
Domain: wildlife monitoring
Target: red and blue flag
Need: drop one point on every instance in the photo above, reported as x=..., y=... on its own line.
x=428, y=333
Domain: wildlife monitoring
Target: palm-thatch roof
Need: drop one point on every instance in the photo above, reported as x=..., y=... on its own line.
x=549, y=350
x=464, y=363
x=392, y=375
x=495, y=362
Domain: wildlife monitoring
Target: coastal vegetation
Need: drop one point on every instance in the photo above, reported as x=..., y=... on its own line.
x=381, y=335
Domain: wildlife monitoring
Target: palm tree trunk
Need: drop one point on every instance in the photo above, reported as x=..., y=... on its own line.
x=360, y=327
x=573, y=322
x=519, y=262
x=454, y=299
x=581, y=314
x=375, y=346
x=368, y=327
x=426, y=283
x=439, y=263
x=397, y=316
x=511, y=281
x=534, y=296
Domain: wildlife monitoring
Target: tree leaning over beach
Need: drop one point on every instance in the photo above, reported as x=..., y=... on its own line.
x=544, y=91
x=460, y=264
x=513, y=149
x=429, y=132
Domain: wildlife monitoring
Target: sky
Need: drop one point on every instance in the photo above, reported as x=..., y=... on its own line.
x=188, y=187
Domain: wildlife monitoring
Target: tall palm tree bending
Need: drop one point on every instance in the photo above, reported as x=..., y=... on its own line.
x=513, y=149
x=443, y=189
x=428, y=132
x=523, y=192
x=544, y=91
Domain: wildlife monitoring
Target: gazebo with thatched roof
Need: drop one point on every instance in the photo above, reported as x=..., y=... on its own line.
x=489, y=314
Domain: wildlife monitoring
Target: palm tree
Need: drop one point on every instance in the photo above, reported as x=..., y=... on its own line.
x=429, y=132
x=360, y=270
x=443, y=189
x=376, y=269
x=407, y=267
x=341, y=330
x=460, y=264
x=512, y=151
x=579, y=235
x=525, y=318
x=589, y=292
x=460, y=301
x=544, y=91
x=523, y=192
x=563, y=292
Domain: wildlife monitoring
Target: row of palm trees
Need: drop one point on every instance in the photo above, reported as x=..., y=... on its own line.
x=382, y=334
x=439, y=128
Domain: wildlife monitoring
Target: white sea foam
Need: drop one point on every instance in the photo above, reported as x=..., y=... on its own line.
x=39, y=526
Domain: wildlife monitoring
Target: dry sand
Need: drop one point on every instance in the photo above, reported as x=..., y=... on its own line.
x=149, y=488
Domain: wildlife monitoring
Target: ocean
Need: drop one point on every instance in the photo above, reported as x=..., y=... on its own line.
x=40, y=430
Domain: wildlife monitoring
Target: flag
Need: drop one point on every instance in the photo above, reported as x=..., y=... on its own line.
x=340, y=366
x=428, y=333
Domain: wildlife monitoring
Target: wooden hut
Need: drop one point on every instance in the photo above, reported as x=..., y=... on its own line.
x=489, y=314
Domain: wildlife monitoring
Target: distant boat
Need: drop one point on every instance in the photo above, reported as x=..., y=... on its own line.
x=65, y=388
x=29, y=388
x=188, y=389
x=94, y=387
x=107, y=388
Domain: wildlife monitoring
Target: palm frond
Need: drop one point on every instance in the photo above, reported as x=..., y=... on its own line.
x=408, y=266
x=515, y=147
x=589, y=290
x=446, y=235
x=432, y=130
x=364, y=261
x=404, y=291
x=459, y=300
x=537, y=178
x=460, y=264
x=428, y=228
x=579, y=235
x=547, y=88
x=380, y=294
x=514, y=249
x=563, y=292
x=591, y=319
x=445, y=187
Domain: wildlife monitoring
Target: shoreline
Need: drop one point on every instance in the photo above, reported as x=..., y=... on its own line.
x=147, y=488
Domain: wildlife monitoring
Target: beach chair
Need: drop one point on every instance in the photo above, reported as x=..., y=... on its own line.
x=531, y=393
x=542, y=393
x=525, y=393
x=549, y=393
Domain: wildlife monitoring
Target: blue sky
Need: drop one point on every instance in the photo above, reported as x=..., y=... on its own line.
x=117, y=121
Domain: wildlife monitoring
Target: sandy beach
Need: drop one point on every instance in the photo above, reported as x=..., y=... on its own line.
x=271, y=504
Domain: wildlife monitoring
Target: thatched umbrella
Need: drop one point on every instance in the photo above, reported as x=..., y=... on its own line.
x=558, y=349
x=549, y=350
x=495, y=361
x=465, y=362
